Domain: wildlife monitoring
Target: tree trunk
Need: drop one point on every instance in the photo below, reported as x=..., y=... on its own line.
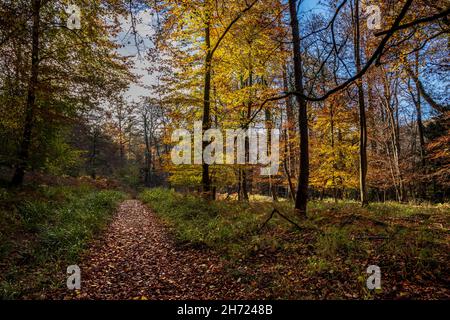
x=420, y=129
x=290, y=125
x=246, y=171
x=362, y=113
x=206, y=119
x=269, y=126
x=245, y=196
x=436, y=106
x=289, y=158
x=94, y=154
x=24, y=149
x=287, y=168
x=148, y=154
x=302, y=189
x=239, y=191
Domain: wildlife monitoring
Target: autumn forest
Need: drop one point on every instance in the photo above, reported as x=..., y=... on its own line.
x=224, y=149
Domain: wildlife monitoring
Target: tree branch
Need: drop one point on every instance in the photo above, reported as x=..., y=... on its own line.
x=230, y=25
x=417, y=21
x=436, y=106
x=281, y=215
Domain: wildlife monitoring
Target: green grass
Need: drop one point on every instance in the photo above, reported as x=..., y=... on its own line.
x=318, y=265
x=46, y=229
x=199, y=222
x=336, y=242
x=231, y=227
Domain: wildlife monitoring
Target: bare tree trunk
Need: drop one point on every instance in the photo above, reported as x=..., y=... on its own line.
x=420, y=129
x=290, y=125
x=332, y=149
x=206, y=119
x=289, y=157
x=239, y=192
x=362, y=113
x=148, y=154
x=269, y=126
x=24, y=149
x=245, y=171
x=436, y=106
x=302, y=190
x=245, y=196
x=287, y=168
x=94, y=154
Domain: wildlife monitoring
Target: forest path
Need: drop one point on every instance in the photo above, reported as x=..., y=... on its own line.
x=137, y=259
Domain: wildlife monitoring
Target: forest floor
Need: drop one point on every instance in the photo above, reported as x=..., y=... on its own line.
x=137, y=259
x=141, y=257
x=328, y=257
x=168, y=245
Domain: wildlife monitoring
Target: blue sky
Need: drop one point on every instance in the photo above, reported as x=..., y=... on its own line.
x=308, y=4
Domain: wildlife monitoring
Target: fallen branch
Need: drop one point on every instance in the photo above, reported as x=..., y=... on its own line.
x=281, y=215
x=372, y=237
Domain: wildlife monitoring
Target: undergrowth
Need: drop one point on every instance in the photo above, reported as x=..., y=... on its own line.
x=45, y=229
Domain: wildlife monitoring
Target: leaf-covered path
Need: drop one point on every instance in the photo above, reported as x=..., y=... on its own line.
x=138, y=259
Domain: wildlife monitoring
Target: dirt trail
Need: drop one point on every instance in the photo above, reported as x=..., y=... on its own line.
x=137, y=258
